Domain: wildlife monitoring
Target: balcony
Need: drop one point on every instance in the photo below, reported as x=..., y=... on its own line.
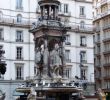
x=19, y=40
x=97, y=42
x=107, y=77
x=98, y=54
x=83, y=45
x=19, y=78
x=107, y=26
x=68, y=14
x=106, y=52
x=107, y=39
x=68, y=60
x=97, y=29
x=13, y=22
x=101, y=2
x=101, y=15
x=83, y=61
x=82, y=16
x=19, y=8
x=98, y=66
x=67, y=43
x=85, y=29
x=19, y=58
x=98, y=77
x=106, y=65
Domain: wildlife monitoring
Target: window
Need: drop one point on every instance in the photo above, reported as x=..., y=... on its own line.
x=1, y=15
x=19, y=36
x=68, y=72
x=98, y=37
x=83, y=57
x=19, y=71
x=83, y=41
x=67, y=56
x=65, y=8
x=35, y=70
x=67, y=41
x=84, y=73
x=19, y=51
x=98, y=48
x=1, y=34
x=19, y=18
x=82, y=24
x=19, y=4
x=60, y=7
x=82, y=10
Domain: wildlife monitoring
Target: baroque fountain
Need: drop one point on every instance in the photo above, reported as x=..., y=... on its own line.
x=49, y=33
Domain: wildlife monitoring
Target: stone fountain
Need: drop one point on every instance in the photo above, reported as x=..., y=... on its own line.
x=49, y=33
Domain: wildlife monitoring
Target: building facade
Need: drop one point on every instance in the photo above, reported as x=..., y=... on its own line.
x=17, y=17
x=102, y=43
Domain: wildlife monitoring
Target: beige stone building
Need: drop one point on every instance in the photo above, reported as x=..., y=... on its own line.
x=102, y=43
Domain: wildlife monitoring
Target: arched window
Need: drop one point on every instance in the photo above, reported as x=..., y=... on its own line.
x=1, y=15
x=82, y=24
x=19, y=18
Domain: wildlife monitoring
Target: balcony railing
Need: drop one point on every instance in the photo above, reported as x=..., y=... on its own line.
x=86, y=28
x=83, y=61
x=106, y=26
x=19, y=78
x=19, y=40
x=98, y=76
x=106, y=52
x=101, y=2
x=13, y=22
x=106, y=64
x=19, y=58
x=19, y=8
x=68, y=60
x=107, y=77
x=101, y=15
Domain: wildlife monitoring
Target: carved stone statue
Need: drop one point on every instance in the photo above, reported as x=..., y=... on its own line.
x=32, y=95
x=55, y=62
x=101, y=94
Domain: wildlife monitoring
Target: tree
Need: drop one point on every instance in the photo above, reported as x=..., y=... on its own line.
x=2, y=63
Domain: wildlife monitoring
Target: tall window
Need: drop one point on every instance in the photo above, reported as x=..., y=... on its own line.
x=19, y=52
x=19, y=36
x=19, y=71
x=1, y=15
x=19, y=18
x=84, y=73
x=83, y=41
x=19, y=4
x=1, y=34
x=82, y=10
x=68, y=72
x=65, y=8
x=98, y=37
x=82, y=24
x=83, y=57
x=67, y=41
x=67, y=55
x=60, y=7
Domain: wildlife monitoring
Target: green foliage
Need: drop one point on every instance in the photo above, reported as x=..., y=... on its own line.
x=2, y=68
